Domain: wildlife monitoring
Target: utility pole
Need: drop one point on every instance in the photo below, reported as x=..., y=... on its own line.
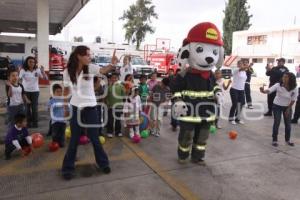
x=112, y=18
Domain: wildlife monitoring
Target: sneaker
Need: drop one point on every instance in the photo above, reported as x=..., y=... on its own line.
x=274, y=144
x=290, y=144
x=218, y=126
x=250, y=107
x=109, y=135
x=240, y=122
x=174, y=128
x=68, y=176
x=294, y=121
x=268, y=114
x=120, y=135
x=106, y=170
x=131, y=134
x=152, y=132
x=157, y=134
x=233, y=122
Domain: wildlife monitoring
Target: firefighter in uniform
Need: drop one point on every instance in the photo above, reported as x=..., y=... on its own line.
x=195, y=90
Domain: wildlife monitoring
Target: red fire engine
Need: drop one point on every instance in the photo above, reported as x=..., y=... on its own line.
x=163, y=62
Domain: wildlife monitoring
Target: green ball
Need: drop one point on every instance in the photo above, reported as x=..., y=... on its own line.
x=213, y=129
x=145, y=133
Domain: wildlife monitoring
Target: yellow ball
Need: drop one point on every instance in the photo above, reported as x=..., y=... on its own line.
x=68, y=132
x=102, y=139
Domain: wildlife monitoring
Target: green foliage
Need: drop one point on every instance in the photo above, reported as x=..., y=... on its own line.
x=236, y=18
x=137, y=21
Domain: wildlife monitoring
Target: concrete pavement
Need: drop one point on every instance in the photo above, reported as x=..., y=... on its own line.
x=245, y=168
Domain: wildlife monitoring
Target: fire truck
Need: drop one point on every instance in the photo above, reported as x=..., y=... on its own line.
x=164, y=62
x=57, y=62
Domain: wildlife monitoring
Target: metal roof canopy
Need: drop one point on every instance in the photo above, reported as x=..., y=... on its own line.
x=20, y=16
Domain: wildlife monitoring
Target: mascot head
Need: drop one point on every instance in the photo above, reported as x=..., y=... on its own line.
x=203, y=48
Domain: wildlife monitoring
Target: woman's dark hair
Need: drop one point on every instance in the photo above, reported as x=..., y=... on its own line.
x=292, y=81
x=25, y=64
x=127, y=76
x=73, y=63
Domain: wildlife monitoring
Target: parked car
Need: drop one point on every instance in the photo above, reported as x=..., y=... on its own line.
x=5, y=64
x=139, y=66
x=102, y=60
x=226, y=72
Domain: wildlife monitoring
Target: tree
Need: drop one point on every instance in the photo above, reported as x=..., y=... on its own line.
x=236, y=18
x=137, y=21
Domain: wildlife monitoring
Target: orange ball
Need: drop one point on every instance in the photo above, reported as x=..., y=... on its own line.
x=37, y=141
x=233, y=135
x=53, y=146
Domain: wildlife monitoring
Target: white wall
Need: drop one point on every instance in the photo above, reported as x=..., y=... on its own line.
x=280, y=43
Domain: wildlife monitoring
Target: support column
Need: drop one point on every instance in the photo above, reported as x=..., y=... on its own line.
x=43, y=34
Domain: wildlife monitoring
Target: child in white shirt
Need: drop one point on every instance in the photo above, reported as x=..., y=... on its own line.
x=221, y=83
x=132, y=110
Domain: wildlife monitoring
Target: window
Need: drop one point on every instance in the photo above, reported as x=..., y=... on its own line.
x=290, y=61
x=258, y=39
x=257, y=60
x=12, y=47
x=270, y=60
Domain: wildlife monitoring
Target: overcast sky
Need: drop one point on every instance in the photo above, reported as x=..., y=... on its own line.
x=176, y=17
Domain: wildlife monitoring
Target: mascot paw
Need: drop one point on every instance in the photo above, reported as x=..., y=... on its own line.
x=180, y=109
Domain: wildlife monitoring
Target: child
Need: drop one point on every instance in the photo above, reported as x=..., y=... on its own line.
x=286, y=95
x=152, y=82
x=297, y=109
x=17, y=137
x=143, y=89
x=15, y=96
x=126, y=68
x=128, y=83
x=57, y=110
x=223, y=86
x=160, y=95
x=99, y=93
x=114, y=101
x=132, y=110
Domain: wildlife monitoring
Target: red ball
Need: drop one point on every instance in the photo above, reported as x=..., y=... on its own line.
x=34, y=135
x=233, y=135
x=26, y=150
x=136, y=138
x=83, y=140
x=37, y=141
x=53, y=146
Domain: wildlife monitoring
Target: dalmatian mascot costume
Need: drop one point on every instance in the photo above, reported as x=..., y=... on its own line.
x=195, y=90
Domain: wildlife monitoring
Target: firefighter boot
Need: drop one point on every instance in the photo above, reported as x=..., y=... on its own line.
x=184, y=144
x=198, y=153
x=199, y=143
